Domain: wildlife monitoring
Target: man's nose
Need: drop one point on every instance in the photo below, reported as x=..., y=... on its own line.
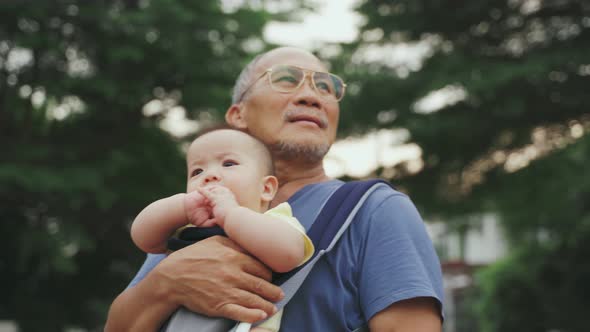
x=307, y=94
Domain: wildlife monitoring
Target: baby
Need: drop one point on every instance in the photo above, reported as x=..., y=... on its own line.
x=230, y=183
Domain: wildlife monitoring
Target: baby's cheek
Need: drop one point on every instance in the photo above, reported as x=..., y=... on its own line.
x=191, y=186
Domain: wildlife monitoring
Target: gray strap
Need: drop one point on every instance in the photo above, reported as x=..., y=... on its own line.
x=184, y=320
x=291, y=286
x=363, y=328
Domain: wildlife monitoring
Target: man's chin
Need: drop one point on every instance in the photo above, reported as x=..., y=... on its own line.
x=290, y=151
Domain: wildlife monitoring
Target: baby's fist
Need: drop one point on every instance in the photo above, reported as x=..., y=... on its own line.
x=221, y=200
x=198, y=212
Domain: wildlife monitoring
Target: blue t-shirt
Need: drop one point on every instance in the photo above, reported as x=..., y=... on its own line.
x=384, y=257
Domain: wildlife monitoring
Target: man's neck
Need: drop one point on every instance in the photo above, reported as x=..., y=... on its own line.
x=293, y=177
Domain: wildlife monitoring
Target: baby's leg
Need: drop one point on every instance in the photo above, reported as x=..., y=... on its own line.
x=260, y=329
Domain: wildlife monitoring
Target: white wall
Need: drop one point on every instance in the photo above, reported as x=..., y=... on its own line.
x=484, y=242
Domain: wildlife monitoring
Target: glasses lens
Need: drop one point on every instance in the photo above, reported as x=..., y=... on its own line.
x=286, y=78
x=329, y=85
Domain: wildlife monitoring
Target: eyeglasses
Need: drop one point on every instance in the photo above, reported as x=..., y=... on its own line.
x=285, y=79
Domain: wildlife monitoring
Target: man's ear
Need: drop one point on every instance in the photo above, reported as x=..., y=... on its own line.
x=234, y=116
x=270, y=187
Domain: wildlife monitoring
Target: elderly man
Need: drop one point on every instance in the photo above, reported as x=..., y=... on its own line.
x=384, y=271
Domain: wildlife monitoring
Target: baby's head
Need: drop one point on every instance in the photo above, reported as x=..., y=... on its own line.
x=236, y=160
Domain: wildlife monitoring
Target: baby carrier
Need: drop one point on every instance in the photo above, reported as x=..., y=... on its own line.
x=333, y=220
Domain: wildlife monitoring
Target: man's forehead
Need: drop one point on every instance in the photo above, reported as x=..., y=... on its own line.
x=290, y=56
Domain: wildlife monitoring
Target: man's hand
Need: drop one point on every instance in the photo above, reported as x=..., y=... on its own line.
x=215, y=277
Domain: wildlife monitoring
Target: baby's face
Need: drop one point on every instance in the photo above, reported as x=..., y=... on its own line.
x=228, y=158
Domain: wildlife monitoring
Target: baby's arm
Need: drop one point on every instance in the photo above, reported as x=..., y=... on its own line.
x=274, y=242
x=152, y=227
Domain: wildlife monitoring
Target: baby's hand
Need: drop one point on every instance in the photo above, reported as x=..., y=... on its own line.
x=198, y=212
x=221, y=201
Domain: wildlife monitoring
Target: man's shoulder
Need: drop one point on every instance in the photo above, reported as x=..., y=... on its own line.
x=386, y=192
x=386, y=187
x=387, y=205
x=315, y=190
x=382, y=194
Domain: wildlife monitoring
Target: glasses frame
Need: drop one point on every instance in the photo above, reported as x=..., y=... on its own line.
x=305, y=71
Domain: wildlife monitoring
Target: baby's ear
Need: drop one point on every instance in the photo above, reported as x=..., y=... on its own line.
x=270, y=185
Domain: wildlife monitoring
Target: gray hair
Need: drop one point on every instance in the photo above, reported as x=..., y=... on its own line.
x=244, y=79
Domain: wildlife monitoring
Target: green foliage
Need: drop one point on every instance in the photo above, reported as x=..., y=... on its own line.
x=80, y=159
x=539, y=287
x=544, y=278
x=515, y=145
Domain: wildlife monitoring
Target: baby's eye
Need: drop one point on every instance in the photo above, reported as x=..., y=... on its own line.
x=229, y=163
x=196, y=172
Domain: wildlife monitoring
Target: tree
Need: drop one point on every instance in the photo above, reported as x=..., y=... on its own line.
x=83, y=86
x=512, y=141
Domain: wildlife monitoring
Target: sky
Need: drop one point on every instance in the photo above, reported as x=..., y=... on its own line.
x=331, y=21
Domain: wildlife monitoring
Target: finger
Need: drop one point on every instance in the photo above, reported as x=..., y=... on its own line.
x=245, y=314
x=209, y=223
x=255, y=268
x=199, y=216
x=256, y=276
x=194, y=197
x=262, y=288
x=204, y=192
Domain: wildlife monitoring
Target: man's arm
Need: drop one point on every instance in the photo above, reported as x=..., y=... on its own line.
x=401, y=281
x=212, y=277
x=419, y=314
x=141, y=308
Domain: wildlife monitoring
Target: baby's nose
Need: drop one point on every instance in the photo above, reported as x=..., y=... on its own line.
x=211, y=177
